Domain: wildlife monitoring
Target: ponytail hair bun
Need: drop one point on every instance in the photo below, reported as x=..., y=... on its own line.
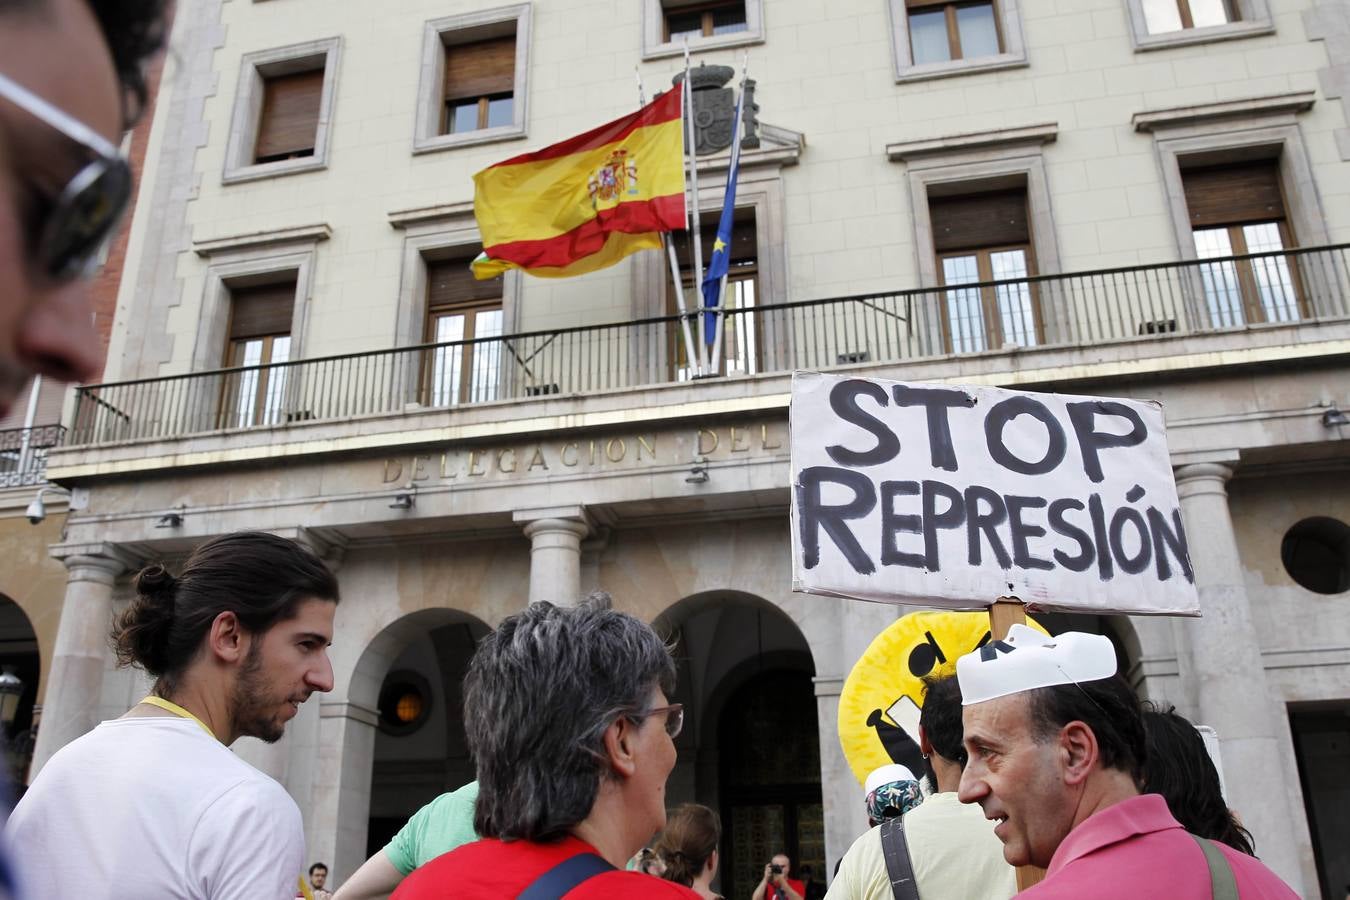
x=140, y=634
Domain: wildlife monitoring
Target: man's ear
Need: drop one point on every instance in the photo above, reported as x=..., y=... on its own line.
x=1078, y=751
x=227, y=640
x=925, y=745
x=618, y=740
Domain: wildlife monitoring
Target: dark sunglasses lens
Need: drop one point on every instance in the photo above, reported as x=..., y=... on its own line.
x=84, y=216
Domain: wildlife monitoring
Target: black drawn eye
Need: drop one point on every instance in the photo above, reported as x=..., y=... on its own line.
x=925, y=656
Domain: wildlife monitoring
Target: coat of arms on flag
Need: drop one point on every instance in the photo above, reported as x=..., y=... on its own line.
x=578, y=205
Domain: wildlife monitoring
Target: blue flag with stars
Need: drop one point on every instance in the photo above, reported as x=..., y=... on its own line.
x=720, y=261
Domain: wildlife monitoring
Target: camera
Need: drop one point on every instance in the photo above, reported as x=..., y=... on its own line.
x=775, y=869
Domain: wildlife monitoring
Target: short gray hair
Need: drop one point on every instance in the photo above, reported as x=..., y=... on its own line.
x=538, y=696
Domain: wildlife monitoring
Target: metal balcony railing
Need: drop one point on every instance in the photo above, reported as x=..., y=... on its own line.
x=23, y=454
x=1154, y=302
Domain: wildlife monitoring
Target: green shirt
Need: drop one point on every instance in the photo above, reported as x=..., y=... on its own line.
x=439, y=827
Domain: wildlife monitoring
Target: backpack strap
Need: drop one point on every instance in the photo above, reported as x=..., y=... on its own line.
x=557, y=881
x=1222, y=882
x=898, y=865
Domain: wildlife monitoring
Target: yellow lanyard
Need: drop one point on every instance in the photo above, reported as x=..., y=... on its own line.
x=177, y=711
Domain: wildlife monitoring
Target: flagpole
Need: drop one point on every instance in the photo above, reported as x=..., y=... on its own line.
x=696, y=233
x=669, y=246
x=721, y=315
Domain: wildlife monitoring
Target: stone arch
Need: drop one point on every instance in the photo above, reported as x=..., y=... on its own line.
x=349, y=722
x=728, y=642
x=20, y=654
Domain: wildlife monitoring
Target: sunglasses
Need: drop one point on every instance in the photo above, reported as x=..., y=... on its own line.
x=674, y=717
x=77, y=220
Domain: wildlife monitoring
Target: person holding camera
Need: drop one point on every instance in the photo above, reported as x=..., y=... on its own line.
x=776, y=885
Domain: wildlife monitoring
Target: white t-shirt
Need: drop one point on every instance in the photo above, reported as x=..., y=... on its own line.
x=952, y=847
x=154, y=807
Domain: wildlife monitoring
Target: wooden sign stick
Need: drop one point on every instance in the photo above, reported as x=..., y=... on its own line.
x=1003, y=615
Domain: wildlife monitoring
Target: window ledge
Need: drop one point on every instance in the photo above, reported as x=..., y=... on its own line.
x=1190, y=36
x=956, y=67
x=716, y=42
x=468, y=139
x=276, y=169
x=302, y=234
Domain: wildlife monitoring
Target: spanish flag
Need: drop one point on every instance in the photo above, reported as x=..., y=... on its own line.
x=587, y=202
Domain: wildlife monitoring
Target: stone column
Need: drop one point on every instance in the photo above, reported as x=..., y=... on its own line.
x=844, y=817
x=555, y=535
x=81, y=656
x=1230, y=685
x=340, y=812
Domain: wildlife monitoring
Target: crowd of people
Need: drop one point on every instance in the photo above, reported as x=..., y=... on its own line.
x=1037, y=753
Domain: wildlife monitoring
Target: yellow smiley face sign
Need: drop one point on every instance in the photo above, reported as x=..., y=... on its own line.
x=879, y=706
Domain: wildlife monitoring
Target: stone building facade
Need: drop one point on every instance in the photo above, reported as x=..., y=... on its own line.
x=1142, y=198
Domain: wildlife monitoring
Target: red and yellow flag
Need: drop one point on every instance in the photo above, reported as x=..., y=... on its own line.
x=587, y=202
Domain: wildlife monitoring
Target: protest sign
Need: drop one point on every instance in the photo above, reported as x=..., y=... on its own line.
x=953, y=497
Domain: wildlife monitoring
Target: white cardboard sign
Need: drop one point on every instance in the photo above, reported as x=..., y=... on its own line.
x=947, y=496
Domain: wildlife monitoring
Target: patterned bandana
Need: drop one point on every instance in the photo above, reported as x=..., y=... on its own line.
x=894, y=798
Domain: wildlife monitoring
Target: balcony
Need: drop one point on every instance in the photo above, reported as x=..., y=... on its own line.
x=1153, y=304
x=23, y=454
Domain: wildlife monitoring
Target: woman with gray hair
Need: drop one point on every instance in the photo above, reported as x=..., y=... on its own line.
x=568, y=717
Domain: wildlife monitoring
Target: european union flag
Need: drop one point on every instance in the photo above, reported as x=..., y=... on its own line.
x=720, y=261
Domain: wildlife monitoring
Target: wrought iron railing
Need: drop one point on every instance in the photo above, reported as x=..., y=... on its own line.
x=1152, y=302
x=23, y=453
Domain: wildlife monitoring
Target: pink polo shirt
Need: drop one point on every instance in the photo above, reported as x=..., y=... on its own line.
x=1137, y=849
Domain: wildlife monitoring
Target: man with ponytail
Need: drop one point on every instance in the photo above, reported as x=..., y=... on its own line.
x=153, y=804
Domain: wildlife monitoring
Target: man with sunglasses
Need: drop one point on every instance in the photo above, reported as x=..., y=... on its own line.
x=70, y=82
x=569, y=721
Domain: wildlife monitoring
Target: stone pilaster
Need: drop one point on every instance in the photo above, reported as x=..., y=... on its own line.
x=82, y=655
x=1229, y=678
x=340, y=812
x=555, y=535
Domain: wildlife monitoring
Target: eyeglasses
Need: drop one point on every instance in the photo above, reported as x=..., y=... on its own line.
x=674, y=717
x=78, y=219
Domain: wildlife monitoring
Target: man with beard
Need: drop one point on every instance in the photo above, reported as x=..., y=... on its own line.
x=70, y=81
x=154, y=804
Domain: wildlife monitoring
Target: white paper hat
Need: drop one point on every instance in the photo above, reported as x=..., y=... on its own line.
x=1026, y=660
x=885, y=775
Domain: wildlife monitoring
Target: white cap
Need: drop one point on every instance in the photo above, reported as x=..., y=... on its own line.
x=885, y=775
x=1026, y=660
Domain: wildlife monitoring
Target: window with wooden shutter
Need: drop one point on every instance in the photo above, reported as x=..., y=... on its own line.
x=740, y=337
x=479, y=85
x=260, y=339
x=1233, y=193
x=687, y=21
x=972, y=221
x=979, y=238
x=465, y=314
x=940, y=31
x=47, y=411
x=1237, y=209
x=289, y=121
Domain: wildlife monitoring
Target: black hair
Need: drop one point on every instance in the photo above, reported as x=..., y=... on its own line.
x=940, y=718
x=317, y=866
x=134, y=30
x=1179, y=768
x=1108, y=707
x=259, y=577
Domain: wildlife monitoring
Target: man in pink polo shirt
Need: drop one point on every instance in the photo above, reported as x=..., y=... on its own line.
x=1056, y=744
